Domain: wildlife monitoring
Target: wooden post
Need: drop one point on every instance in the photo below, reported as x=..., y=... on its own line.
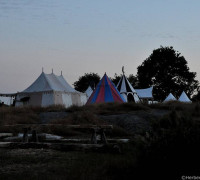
x=103, y=136
x=25, y=136
x=94, y=136
x=34, y=136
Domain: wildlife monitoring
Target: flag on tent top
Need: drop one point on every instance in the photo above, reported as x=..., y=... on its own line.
x=105, y=92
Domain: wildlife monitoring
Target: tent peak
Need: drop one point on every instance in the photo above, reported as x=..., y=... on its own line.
x=49, y=82
x=170, y=97
x=184, y=98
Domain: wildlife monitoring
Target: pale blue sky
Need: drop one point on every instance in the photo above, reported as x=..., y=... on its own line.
x=79, y=36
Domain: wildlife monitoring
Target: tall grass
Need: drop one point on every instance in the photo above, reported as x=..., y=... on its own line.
x=173, y=144
x=170, y=147
x=17, y=115
x=109, y=108
x=173, y=105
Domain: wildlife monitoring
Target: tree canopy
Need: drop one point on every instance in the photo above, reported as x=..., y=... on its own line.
x=88, y=79
x=116, y=78
x=168, y=71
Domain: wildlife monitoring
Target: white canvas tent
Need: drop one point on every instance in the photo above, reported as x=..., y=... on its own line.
x=89, y=91
x=170, y=97
x=127, y=90
x=145, y=95
x=50, y=89
x=7, y=98
x=184, y=98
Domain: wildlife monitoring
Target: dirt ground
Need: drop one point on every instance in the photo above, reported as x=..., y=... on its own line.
x=51, y=164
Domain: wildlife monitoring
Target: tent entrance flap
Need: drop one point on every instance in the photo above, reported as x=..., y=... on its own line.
x=25, y=99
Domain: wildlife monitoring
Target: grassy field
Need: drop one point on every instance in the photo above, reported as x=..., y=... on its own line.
x=169, y=150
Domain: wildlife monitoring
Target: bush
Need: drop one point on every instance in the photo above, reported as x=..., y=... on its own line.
x=173, y=144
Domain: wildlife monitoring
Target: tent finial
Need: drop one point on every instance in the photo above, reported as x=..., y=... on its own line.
x=52, y=70
x=42, y=69
x=123, y=70
x=61, y=73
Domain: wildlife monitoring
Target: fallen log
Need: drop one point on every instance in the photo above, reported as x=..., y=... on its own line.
x=40, y=137
x=88, y=140
x=113, y=148
x=3, y=135
x=4, y=144
x=16, y=145
x=87, y=126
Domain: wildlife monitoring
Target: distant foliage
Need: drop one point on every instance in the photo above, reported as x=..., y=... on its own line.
x=133, y=80
x=116, y=79
x=88, y=79
x=196, y=97
x=168, y=72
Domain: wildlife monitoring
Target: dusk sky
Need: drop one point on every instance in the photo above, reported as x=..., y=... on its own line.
x=82, y=36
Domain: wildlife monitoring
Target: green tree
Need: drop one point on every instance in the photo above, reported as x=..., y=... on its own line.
x=133, y=80
x=88, y=79
x=196, y=97
x=116, y=79
x=167, y=71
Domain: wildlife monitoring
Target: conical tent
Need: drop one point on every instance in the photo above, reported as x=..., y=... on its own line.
x=105, y=92
x=126, y=90
x=184, y=98
x=170, y=97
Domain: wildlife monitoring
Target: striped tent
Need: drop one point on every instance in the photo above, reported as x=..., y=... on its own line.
x=105, y=92
x=126, y=90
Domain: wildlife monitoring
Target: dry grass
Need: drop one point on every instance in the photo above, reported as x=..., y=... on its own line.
x=49, y=164
x=173, y=105
x=25, y=115
x=87, y=114
x=11, y=115
x=171, y=145
x=109, y=108
x=80, y=117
